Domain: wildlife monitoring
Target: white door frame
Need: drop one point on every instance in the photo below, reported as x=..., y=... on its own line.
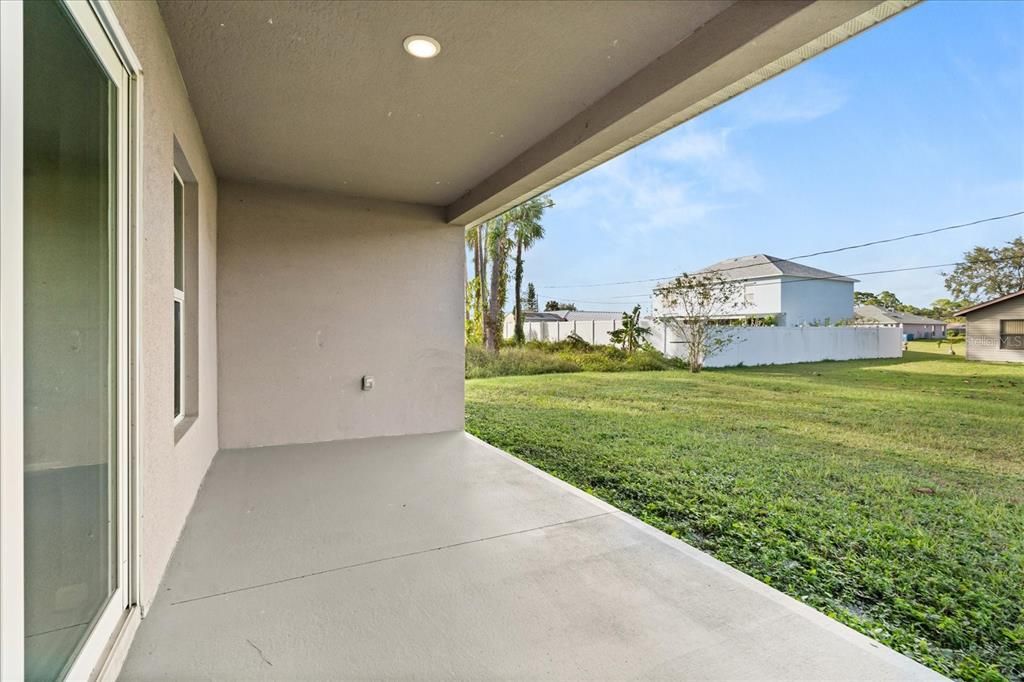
x=12, y=461
x=99, y=26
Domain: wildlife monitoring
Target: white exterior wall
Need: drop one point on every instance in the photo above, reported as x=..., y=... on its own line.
x=796, y=301
x=925, y=331
x=760, y=297
x=754, y=298
x=787, y=345
x=317, y=290
x=806, y=301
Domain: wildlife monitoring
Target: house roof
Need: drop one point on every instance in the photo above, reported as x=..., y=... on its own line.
x=569, y=315
x=986, y=304
x=760, y=266
x=879, y=315
x=548, y=316
x=593, y=315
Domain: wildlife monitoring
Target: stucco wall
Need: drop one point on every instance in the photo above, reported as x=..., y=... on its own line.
x=171, y=473
x=983, y=331
x=925, y=331
x=801, y=301
x=317, y=290
x=755, y=297
x=808, y=301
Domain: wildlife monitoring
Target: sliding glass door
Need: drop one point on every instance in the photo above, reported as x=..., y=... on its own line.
x=75, y=338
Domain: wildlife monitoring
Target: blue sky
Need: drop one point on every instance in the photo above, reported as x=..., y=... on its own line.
x=915, y=124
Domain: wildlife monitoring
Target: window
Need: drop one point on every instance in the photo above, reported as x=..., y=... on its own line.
x=1011, y=334
x=187, y=298
x=179, y=297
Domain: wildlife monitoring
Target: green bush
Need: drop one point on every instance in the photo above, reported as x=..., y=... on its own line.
x=570, y=355
x=513, y=361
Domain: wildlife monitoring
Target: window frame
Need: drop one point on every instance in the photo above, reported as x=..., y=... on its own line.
x=1004, y=336
x=178, y=217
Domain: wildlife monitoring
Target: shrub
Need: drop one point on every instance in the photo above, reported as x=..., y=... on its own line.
x=570, y=355
x=481, y=364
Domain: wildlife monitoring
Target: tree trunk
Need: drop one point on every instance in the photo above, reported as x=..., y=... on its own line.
x=491, y=333
x=481, y=273
x=520, y=335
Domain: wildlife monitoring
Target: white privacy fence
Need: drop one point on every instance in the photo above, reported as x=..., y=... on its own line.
x=591, y=331
x=750, y=345
x=787, y=345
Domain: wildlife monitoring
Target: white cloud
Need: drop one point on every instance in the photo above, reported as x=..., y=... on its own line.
x=690, y=144
x=708, y=155
x=680, y=178
x=797, y=99
x=637, y=196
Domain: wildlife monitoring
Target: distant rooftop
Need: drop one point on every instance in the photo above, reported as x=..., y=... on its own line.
x=879, y=315
x=760, y=265
x=569, y=315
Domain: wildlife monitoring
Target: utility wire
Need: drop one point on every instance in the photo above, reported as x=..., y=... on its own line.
x=808, y=278
x=806, y=255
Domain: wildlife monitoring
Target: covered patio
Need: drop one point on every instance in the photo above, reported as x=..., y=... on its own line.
x=277, y=482
x=439, y=556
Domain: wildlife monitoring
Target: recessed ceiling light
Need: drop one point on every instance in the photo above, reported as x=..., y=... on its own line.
x=423, y=47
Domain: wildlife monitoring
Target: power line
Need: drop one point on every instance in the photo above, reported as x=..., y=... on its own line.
x=807, y=278
x=806, y=255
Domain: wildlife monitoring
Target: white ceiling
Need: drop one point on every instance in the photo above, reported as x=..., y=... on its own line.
x=322, y=95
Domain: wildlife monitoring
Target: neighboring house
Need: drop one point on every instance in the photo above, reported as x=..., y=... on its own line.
x=995, y=329
x=792, y=293
x=232, y=271
x=562, y=316
x=914, y=326
x=555, y=325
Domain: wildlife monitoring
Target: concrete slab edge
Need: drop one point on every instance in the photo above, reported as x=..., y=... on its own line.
x=871, y=647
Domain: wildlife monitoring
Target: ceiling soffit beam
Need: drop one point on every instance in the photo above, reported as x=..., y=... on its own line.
x=744, y=45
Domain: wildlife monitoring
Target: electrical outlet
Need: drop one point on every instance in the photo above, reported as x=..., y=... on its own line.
x=367, y=383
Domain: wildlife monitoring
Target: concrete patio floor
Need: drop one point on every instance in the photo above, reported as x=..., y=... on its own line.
x=438, y=556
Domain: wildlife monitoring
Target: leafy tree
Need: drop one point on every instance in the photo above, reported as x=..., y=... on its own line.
x=889, y=301
x=988, y=272
x=631, y=335
x=531, y=298
x=864, y=298
x=886, y=300
x=524, y=221
x=694, y=304
x=556, y=305
x=944, y=308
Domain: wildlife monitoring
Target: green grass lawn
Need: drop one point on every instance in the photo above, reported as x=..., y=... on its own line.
x=888, y=494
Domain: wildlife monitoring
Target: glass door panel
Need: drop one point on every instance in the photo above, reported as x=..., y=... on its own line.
x=71, y=339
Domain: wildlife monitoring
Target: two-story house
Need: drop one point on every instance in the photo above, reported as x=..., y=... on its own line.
x=791, y=294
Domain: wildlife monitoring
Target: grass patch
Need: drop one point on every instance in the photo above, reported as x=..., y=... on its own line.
x=538, y=357
x=888, y=494
x=514, y=361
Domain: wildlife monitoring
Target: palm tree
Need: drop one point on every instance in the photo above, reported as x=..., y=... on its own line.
x=498, y=242
x=476, y=288
x=526, y=231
